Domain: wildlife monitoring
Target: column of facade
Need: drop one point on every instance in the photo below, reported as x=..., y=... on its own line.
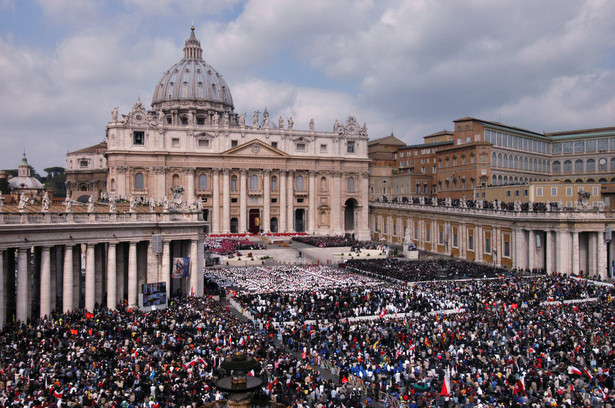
x=22, y=284
x=290, y=201
x=132, y=274
x=190, y=171
x=531, y=250
x=45, y=300
x=194, y=271
x=121, y=181
x=90, y=277
x=67, y=280
x=226, y=201
x=160, y=180
x=215, y=216
x=111, y=276
x=602, y=261
x=364, y=233
x=243, y=201
x=575, y=253
x=166, y=266
x=335, y=223
x=549, y=251
x=266, y=219
x=282, y=203
x=312, y=202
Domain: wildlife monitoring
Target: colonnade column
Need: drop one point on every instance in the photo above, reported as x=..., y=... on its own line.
x=549, y=251
x=290, y=201
x=199, y=265
x=592, y=258
x=531, y=250
x=215, y=216
x=602, y=261
x=190, y=171
x=111, y=276
x=67, y=280
x=560, y=252
x=282, y=217
x=312, y=202
x=90, y=277
x=22, y=284
x=575, y=253
x=132, y=274
x=45, y=282
x=166, y=266
x=226, y=201
x=243, y=200
x=266, y=220
x=194, y=272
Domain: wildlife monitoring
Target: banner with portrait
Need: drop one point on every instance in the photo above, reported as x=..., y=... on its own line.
x=181, y=268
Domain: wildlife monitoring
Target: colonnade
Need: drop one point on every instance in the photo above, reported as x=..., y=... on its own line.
x=568, y=252
x=70, y=276
x=555, y=242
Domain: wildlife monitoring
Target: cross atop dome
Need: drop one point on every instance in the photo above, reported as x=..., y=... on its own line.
x=192, y=49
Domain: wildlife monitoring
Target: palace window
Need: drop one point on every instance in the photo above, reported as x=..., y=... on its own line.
x=253, y=182
x=203, y=182
x=299, y=183
x=139, y=181
x=300, y=147
x=274, y=183
x=351, y=184
x=234, y=183
x=204, y=143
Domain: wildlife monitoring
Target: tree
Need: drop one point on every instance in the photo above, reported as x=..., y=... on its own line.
x=53, y=171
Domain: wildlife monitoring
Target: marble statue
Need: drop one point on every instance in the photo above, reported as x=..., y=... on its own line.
x=255, y=119
x=290, y=123
x=311, y=125
x=68, y=203
x=133, y=204
x=112, y=206
x=45, y=202
x=152, y=204
x=114, y=114
x=242, y=120
x=280, y=123
x=23, y=202
x=91, y=204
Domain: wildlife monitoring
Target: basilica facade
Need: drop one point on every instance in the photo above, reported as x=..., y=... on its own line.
x=258, y=177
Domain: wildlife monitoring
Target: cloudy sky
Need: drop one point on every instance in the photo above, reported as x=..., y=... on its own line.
x=408, y=67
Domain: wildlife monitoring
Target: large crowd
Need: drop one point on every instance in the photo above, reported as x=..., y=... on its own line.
x=425, y=270
x=504, y=341
x=228, y=246
x=332, y=241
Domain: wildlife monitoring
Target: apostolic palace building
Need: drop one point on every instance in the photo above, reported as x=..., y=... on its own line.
x=190, y=166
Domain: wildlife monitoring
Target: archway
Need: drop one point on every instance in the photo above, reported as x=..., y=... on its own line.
x=274, y=225
x=350, y=207
x=254, y=221
x=234, y=226
x=300, y=220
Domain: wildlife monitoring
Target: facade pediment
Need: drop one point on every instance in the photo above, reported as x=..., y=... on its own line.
x=255, y=148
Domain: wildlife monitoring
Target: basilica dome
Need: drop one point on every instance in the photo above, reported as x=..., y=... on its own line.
x=194, y=82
